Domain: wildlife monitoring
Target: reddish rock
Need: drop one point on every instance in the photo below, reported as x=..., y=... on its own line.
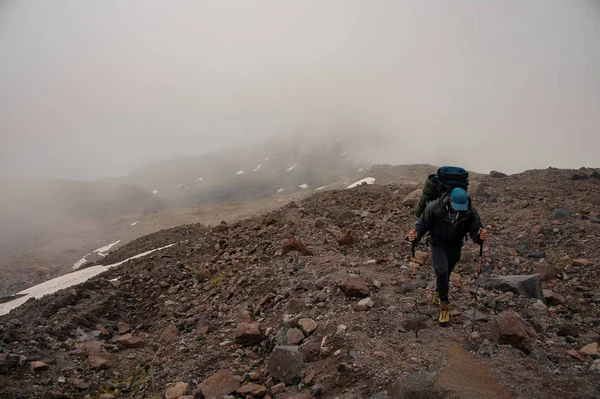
x=537, y=229
x=203, y=274
x=582, y=262
x=123, y=328
x=252, y=389
x=576, y=355
x=248, y=334
x=353, y=286
x=294, y=336
x=103, y=331
x=348, y=239
x=128, y=341
x=508, y=328
x=219, y=385
x=277, y=389
x=546, y=271
x=307, y=325
x=98, y=362
x=38, y=366
x=294, y=245
x=169, y=335
x=422, y=258
x=180, y=389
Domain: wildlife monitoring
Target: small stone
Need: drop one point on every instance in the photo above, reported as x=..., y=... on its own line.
x=219, y=385
x=169, y=335
x=591, y=350
x=561, y=213
x=546, y=271
x=568, y=329
x=353, y=286
x=317, y=391
x=307, y=325
x=252, y=389
x=381, y=355
x=294, y=336
x=456, y=280
x=78, y=384
x=277, y=389
x=248, y=334
x=38, y=366
x=537, y=229
x=497, y=175
x=582, y=262
x=180, y=389
x=540, y=307
x=422, y=258
x=576, y=355
x=123, y=328
x=98, y=362
x=128, y=341
x=111, y=396
x=364, y=305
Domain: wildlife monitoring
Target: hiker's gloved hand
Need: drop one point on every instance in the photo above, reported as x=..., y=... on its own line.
x=412, y=235
x=483, y=234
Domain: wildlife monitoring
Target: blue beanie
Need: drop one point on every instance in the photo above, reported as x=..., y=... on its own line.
x=460, y=199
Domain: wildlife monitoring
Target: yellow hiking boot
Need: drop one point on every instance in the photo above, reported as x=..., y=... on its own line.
x=444, y=314
x=436, y=298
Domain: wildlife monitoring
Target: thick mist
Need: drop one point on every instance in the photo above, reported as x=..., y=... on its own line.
x=96, y=89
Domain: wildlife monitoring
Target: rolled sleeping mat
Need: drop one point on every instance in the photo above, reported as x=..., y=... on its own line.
x=429, y=192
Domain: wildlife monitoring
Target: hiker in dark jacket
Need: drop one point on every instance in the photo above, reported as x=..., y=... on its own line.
x=448, y=220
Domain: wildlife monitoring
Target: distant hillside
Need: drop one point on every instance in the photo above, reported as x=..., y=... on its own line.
x=283, y=164
x=34, y=208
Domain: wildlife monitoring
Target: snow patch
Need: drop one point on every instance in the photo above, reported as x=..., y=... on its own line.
x=361, y=169
x=65, y=281
x=257, y=168
x=239, y=172
x=102, y=251
x=292, y=168
x=320, y=188
x=303, y=185
x=277, y=167
x=267, y=158
x=342, y=154
x=199, y=180
x=134, y=223
x=155, y=192
x=280, y=190
x=81, y=262
x=179, y=186
x=366, y=180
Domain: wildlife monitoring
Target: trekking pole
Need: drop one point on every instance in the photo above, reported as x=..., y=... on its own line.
x=414, y=265
x=477, y=284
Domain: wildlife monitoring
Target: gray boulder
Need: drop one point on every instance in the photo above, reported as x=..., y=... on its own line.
x=529, y=286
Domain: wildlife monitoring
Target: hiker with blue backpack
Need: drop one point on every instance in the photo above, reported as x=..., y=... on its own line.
x=445, y=212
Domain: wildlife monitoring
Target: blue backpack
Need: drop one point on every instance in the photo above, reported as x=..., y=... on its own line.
x=445, y=180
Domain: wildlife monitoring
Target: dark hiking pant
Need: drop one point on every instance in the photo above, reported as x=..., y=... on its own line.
x=444, y=259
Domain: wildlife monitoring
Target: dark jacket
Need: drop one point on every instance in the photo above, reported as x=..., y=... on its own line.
x=442, y=231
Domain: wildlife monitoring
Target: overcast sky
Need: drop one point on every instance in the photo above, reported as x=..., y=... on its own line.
x=94, y=88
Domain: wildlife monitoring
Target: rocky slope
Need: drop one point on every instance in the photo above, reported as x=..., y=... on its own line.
x=316, y=300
